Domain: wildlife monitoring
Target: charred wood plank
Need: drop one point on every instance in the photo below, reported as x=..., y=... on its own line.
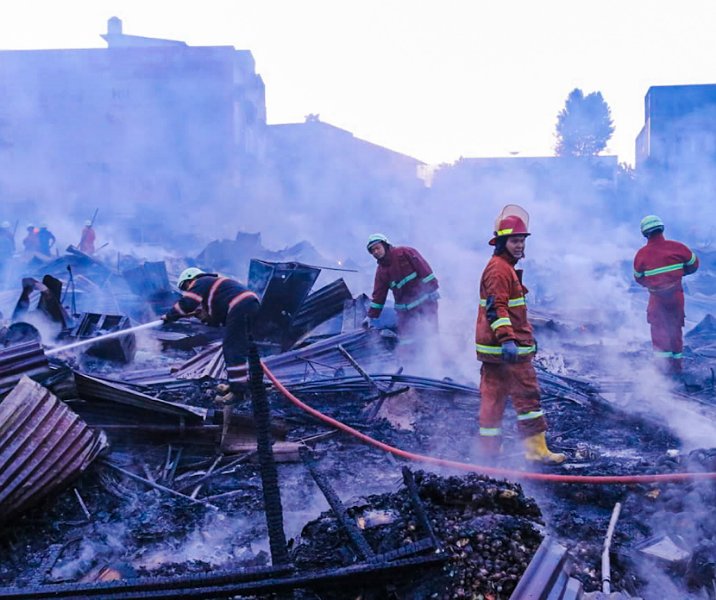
x=267, y=464
x=230, y=583
x=418, y=505
x=339, y=510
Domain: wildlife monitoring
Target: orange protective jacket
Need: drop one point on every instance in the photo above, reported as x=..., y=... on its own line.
x=408, y=274
x=659, y=267
x=502, y=315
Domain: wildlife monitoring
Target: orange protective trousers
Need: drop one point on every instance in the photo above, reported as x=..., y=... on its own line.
x=498, y=381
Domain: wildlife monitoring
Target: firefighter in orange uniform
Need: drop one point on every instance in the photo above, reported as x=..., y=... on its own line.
x=412, y=281
x=219, y=301
x=659, y=267
x=87, y=239
x=505, y=345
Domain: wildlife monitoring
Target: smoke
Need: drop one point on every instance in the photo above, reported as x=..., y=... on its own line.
x=216, y=542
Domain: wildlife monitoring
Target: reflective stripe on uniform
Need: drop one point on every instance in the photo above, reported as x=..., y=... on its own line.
x=399, y=284
x=192, y=296
x=535, y=414
x=236, y=373
x=482, y=349
x=212, y=290
x=490, y=431
x=667, y=354
x=240, y=297
x=512, y=302
x=375, y=305
x=417, y=302
x=691, y=261
x=502, y=322
x=430, y=277
x=177, y=307
x=662, y=270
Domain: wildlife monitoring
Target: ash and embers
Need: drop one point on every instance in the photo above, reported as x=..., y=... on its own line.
x=488, y=529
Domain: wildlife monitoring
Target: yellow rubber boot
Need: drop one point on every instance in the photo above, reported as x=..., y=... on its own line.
x=536, y=450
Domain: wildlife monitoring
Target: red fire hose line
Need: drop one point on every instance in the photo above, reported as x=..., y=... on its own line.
x=511, y=473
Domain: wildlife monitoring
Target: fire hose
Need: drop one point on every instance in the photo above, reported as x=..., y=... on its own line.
x=463, y=466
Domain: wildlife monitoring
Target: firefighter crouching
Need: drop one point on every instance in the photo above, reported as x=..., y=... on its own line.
x=659, y=267
x=505, y=345
x=219, y=301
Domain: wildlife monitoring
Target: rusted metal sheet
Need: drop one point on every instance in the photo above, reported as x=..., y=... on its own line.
x=94, y=388
x=208, y=363
x=44, y=445
x=21, y=359
x=317, y=308
x=321, y=359
x=121, y=349
x=282, y=288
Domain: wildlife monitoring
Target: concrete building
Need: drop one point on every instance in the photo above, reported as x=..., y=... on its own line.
x=143, y=123
x=330, y=177
x=679, y=126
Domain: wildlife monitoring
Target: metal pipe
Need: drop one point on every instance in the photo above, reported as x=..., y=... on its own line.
x=107, y=336
x=606, y=568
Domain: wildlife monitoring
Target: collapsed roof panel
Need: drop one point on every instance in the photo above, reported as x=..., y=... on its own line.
x=43, y=446
x=95, y=389
x=21, y=359
x=282, y=288
x=121, y=349
x=317, y=308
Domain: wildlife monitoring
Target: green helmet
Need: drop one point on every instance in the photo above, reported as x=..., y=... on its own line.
x=650, y=223
x=188, y=275
x=374, y=238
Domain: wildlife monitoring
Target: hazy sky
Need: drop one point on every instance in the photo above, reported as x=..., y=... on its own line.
x=435, y=79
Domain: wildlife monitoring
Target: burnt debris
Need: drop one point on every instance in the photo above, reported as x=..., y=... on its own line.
x=178, y=489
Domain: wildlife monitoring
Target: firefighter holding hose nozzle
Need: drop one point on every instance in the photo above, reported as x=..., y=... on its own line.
x=219, y=301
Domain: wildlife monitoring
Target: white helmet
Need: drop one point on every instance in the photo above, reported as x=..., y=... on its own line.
x=88, y=223
x=374, y=238
x=188, y=275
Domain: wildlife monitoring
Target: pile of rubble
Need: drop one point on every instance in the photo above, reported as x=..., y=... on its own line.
x=125, y=471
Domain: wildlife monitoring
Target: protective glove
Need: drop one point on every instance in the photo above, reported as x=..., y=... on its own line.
x=509, y=351
x=367, y=323
x=434, y=296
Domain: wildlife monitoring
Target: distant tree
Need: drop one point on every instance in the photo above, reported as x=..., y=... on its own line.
x=584, y=125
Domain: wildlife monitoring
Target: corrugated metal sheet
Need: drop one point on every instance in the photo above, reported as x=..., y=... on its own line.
x=21, y=359
x=317, y=308
x=320, y=360
x=208, y=363
x=43, y=446
x=94, y=388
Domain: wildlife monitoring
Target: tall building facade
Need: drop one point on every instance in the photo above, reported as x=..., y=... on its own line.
x=141, y=123
x=679, y=126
